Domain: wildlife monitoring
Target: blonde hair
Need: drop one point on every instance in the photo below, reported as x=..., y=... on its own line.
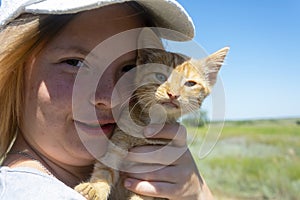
x=18, y=40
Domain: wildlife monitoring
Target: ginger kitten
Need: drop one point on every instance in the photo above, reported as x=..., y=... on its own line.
x=168, y=85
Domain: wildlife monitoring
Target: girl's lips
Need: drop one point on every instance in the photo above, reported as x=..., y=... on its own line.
x=95, y=129
x=108, y=128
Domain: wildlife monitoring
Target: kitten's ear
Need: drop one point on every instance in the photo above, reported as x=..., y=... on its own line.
x=148, y=39
x=213, y=64
x=148, y=44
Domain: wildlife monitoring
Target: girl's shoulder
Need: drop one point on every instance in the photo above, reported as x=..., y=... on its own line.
x=28, y=183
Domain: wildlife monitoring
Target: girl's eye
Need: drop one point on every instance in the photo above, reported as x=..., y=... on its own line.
x=74, y=62
x=127, y=68
x=190, y=83
x=161, y=77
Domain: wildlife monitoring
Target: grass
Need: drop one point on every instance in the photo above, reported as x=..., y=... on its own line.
x=251, y=160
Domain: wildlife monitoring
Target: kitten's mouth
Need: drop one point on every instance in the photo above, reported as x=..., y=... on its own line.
x=170, y=104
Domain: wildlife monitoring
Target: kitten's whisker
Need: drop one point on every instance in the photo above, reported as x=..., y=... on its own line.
x=194, y=102
x=125, y=102
x=145, y=107
x=138, y=103
x=132, y=97
x=192, y=110
x=146, y=96
x=133, y=107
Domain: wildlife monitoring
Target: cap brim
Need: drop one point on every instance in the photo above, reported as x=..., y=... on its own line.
x=166, y=13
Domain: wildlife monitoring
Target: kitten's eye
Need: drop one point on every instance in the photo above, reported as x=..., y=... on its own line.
x=161, y=77
x=190, y=83
x=127, y=68
x=74, y=62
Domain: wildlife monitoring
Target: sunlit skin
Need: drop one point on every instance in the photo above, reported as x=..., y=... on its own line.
x=48, y=129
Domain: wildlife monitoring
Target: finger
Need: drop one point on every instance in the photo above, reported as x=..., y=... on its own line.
x=142, y=168
x=154, y=173
x=175, y=132
x=147, y=188
x=165, y=155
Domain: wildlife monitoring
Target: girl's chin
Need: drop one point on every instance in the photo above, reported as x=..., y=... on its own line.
x=91, y=147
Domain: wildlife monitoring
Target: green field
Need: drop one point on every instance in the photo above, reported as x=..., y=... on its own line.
x=251, y=159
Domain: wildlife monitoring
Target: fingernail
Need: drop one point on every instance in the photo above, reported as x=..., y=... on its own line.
x=149, y=131
x=127, y=183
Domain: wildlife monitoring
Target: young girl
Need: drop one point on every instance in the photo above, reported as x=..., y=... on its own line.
x=43, y=46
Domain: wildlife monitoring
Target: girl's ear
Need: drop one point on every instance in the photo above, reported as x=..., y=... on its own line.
x=213, y=64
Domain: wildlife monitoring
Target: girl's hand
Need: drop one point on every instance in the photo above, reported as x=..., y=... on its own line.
x=167, y=172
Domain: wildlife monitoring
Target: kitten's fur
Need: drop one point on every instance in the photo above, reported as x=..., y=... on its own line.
x=179, y=88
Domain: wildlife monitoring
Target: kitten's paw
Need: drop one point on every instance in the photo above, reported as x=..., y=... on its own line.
x=87, y=190
x=93, y=191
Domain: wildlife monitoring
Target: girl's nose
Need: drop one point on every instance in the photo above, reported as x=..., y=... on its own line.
x=105, y=97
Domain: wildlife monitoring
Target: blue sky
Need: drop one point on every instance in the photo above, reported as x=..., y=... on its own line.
x=262, y=74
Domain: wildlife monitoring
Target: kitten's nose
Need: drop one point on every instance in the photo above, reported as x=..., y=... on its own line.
x=172, y=96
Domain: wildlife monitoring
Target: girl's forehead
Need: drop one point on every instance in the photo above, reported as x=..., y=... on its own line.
x=91, y=28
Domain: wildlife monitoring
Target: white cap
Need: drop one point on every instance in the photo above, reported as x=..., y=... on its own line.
x=166, y=13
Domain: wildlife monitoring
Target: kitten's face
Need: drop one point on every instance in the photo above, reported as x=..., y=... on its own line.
x=171, y=81
x=183, y=90
x=177, y=83
x=174, y=81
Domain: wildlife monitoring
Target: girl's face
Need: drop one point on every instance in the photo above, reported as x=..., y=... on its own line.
x=49, y=124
